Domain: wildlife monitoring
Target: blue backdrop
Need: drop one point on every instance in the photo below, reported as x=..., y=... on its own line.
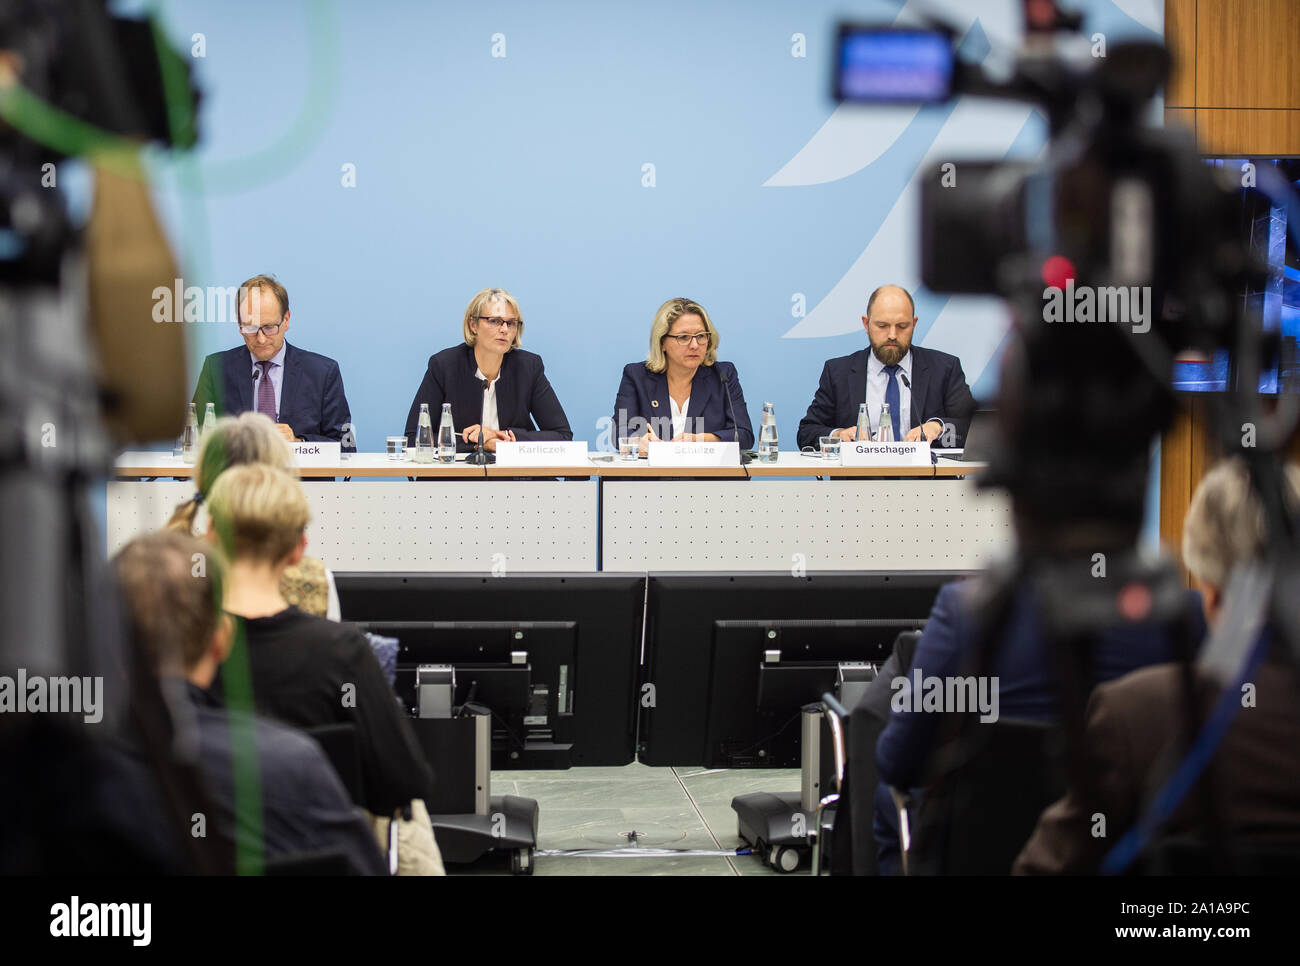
x=507, y=144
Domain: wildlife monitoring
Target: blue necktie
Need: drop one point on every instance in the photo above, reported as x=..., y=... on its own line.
x=891, y=397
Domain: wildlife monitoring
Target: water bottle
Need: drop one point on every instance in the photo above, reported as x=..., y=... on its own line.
x=886, y=425
x=767, y=444
x=209, y=420
x=424, y=436
x=447, y=436
x=190, y=435
x=864, y=425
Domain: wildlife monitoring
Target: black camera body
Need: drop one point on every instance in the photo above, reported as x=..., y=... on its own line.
x=1115, y=253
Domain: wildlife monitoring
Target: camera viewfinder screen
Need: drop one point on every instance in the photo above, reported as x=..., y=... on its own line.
x=893, y=65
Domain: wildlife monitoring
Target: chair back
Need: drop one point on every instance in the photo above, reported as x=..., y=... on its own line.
x=988, y=791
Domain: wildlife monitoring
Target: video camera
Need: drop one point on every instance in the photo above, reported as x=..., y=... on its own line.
x=1116, y=253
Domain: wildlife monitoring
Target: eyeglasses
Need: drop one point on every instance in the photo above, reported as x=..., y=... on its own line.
x=496, y=323
x=697, y=337
x=266, y=330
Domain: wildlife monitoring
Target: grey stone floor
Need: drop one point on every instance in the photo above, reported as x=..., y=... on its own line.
x=670, y=808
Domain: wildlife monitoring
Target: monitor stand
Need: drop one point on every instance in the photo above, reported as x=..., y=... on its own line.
x=777, y=824
x=460, y=752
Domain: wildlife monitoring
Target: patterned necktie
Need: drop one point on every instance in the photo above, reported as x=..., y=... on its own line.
x=891, y=397
x=266, y=393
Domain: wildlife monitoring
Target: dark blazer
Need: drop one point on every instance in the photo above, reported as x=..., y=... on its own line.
x=304, y=807
x=312, y=402
x=939, y=391
x=526, y=403
x=643, y=403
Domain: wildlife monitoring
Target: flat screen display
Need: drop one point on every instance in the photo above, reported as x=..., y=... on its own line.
x=1265, y=228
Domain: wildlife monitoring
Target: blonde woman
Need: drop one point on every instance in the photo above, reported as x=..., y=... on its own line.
x=253, y=438
x=678, y=392
x=305, y=671
x=495, y=388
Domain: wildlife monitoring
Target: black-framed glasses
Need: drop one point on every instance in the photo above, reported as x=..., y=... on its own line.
x=266, y=330
x=695, y=337
x=496, y=323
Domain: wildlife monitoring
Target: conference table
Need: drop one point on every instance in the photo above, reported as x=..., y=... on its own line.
x=797, y=514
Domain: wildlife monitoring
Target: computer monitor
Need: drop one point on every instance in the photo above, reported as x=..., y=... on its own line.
x=705, y=698
x=595, y=618
x=764, y=671
x=524, y=672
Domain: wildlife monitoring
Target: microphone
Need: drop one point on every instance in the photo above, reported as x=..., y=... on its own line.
x=722, y=378
x=481, y=457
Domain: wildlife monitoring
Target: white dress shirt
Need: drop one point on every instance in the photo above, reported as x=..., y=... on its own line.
x=489, y=420
x=679, y=415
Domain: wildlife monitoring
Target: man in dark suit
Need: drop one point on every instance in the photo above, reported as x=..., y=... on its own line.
x=926, y=389
x=302, y=392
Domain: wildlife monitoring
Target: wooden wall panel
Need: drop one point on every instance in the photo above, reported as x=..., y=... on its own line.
x=1175, y=479
x=1245, y=100
x=1180, y=38
x=1247, y=53
x=1248, y=132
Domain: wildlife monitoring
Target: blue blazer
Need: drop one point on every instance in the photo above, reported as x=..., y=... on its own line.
x=643, y=403
x=939, y=391
x=312, y=401
x=526, y=403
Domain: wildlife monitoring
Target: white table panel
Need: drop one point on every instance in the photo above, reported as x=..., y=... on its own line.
x=783, y=525
x=465, y=526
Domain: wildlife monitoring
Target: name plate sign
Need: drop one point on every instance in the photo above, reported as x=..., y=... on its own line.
x=318, y=454
x=541, y=453
x=885, y=454
x=694, y=454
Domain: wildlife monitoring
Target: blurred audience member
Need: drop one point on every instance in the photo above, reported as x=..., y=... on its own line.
x=1024, y=669
x=171, y=584
x=303, y=670
x=253, y=438
x=1134, y=723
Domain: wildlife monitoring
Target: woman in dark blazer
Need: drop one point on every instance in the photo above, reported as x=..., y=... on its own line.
x=490, y=372
x=677, y=393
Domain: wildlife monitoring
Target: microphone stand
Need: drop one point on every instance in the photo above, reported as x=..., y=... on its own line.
x=726, y=391
x=480, y=456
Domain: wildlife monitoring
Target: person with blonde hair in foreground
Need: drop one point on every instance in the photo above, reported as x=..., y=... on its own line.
x=303, y=670
x=253, y=438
